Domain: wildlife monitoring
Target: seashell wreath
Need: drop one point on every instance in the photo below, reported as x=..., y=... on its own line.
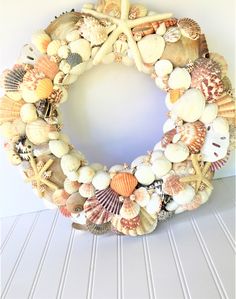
x=174, y=177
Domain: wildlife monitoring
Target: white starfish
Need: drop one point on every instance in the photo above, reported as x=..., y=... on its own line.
x=123, y=25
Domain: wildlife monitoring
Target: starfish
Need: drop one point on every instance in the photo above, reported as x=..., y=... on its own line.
x=38, y=175
x=200, y=176
x=123, y=25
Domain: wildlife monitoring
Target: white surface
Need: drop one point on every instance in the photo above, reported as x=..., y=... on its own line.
x=190, y=256
x=122, y=115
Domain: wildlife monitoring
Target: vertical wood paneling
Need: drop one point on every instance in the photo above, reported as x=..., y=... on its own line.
x=7, y=227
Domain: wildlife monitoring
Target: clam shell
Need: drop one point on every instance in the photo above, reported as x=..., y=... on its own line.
x=109, y=200
x=53, y=47
x=189, y=28
x=87, y=190
x=124, y=183
x=154, y=205
x=179, y=79
x=137, y=11
x=161, y=167
x=95, y=212
x=75, y=203
x=101, y=180
x=28, y=113
x=69, y=162
x=129, y=209
x=209, y=114
x=45, y=65
x=145, y=175
x=74, y=59
x=37, y=131
x=172, y=35
x=44, y=88
x=177, y=152
x=172, y=185
x=141, y=196
x=9, y=109
x=71, y=186
x=59, y=197
x=11, y=79
x=185, y=196
x=81, y=47
x=85, y=174
x=98, y=229
x=163, y=67
x=58, y=148
x=41, y=40
x=151, y=48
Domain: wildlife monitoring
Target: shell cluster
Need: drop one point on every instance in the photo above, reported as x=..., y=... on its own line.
x=175, y=176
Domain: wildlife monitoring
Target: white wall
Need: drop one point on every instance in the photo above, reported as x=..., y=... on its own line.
x=115, y=113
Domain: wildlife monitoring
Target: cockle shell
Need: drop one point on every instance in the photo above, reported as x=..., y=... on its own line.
x=87, y=190
x=69, y=162
x=71, y=186
x=85, y=174
x=98, y=229
x=226, y=107
x=129, y=209
x=177, y=152
x=172, y=35
x=81, y=47
x=9, y=109
x=130, y=224
x=137, y=11
x=11, y=79
x=95, y=212
x=221, y=62
x=45, y=65
x=109, y=200
x=44, y=88
x=141, y=196
x=145, y=175
x=53, y=47
x=58, y=148
x=59, y=197
x=172, y=185
x=163, y=67
x=75, y=203
x=179, y=79
x=209, y=113
x=41, y=40
x=38, y=130
x=189, y=28
x=154, y=205
x=124, y=183
x=101, y=180
x=161, y=167
x=193, y=135
x=168, y=137
x=151, y=48
x=184, y=196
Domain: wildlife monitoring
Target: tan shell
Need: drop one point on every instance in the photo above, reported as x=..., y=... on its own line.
x=189, y=28
x=226, y=107
x=37, y=131
x=137, y=11
x=75, y=203
x=109, y=7
x=9, y=109
x=221, y=62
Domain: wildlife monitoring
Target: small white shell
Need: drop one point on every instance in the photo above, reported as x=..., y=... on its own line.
x=58, y=148
x=63, y=51
x=179, y=79
x=71, y=186
x=64, y=67
x=101, y=180
x=161, y=167
x=85, y=174
x=177, y=152
x=145, y=175
x=163, y=67
x=54, y=135
x=161, y=30
x=73, y=36
x=168, y=125
x=151, y=48
x=81, y=47
x=185, y=196
x=154, y=204
x=53, y=47
x=28, y=113
x=69, y=163
x=221, y=126
x=209, y=113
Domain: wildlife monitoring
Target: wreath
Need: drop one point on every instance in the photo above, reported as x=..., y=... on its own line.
x=175, y=176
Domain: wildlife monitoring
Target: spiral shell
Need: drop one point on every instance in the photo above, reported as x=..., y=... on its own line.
x=45, y=65
x=124, y=183
x=75, y=203
x=109, y=200
x=189, y=28
x=9, y=109
x=95, y=212
x=172, y=185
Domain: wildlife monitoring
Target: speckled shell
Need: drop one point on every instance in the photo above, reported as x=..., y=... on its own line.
x=109, y=200
x=172, y=35
x=189, y=28
x=172, y=185
x=193, y=135
x=95, y=212
x=130, y=223
x=141, y=196
x=124, y=183
x=129, y=209
x=31, y=80
x=9, y=109
x=41, y=40
x=137, y=11
x=11, y=79
x=168, y=137
x=87, y=190
x=75, y=203
x=37, y=131
x=45, y=65
x=98, y=229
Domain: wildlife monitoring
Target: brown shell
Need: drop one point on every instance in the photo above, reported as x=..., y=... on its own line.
x=168, y=137
x=9, y=109
x=172, y=185
x=203, y=47
x=47, y=66
x=75, y=203
x=124, y=183
x=189, y=28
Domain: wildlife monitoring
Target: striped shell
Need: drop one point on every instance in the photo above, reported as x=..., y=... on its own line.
x=9, y=109
x=44, y=88
x=131, y=223
x=45, y=65
x=172, y=35
x=215, y=166
x=95, y=212
x=124, y=183
x=31, y=79
x=226, y=107
x=11, y=79
x=75, y=203
x=193, y=135
x=168, y=137
x=172, y=185
x=130, y=209
x=189, y=28
x=98, y=229
x=109, y=200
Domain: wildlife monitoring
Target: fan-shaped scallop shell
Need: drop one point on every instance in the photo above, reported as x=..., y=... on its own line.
x=65, y=212
x=221, y=62
x=11, y=79
x=87, y=190
x=109, y=200
x=168, y=137
x=9, y=109
x=98, y=229
x=172, y=185
x=31, y=79
x=129, y=209
x=137, y=11
x=189, y=28
x=75, y=203
x=44, y=88
x=141, y=196
x=130, y=223
x=215, y=166
x=193, y=135
x=124, y=183
x=172, y=35
x=226, y=107
x=95, y=212
x=45, y=65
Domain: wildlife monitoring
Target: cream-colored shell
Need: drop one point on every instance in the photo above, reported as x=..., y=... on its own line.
x=37, y=131
x=70, y=163
x=179, y=79
x=101, y=180
x=63, y=51
x=161, y=167
x=177, y=152
x=145, y=175
x=185, y=196
x=209, y=113
x=163, y=67
x=58, y=148
x=28, y=113
x=71, y=186
x=73, y=36
x=151, y=48
x=87, y=190
x=81, y=47
x=85, y=174
x=53, y=47
x=221, y=126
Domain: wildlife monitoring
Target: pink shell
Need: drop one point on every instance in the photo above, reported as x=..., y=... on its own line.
x=194, y=204
x=95, y=212
x=109, y=200
x=31, y=79
x=172, y=185
x=219, y=164
x=168, y=137
x=64, y=211
x=193, y=135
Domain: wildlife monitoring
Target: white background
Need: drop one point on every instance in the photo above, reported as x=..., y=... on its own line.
x=114, y=113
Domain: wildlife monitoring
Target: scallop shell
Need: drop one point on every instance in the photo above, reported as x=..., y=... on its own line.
x=177, y=152
x=37, y=131
x=203, y=47
x=137, y=11
x=45, y=65
x=44, y=88
x=124, y=183
x=221, y=62
x=168, y=137
x=65, y=23
x=161, y=167
x=64, y=211
x=53, y=47
x=98, y=229
x=75, y=203
x=145, y=175
x=193, y=135
x=11, y=79
x=129, y=209
x=189, y=28
x=131, y=224
x=87, y=190
x=29, y=85
x=82, y=47
x=226, y=107
x=74, y=59
x=59, y=197
x=172, y=35
x=69, y=162
x=109, y=200
x=9, y=109
x=95, y=212
x=172, y=185
x=71, y=186
x=41, y=40
x=141, y=196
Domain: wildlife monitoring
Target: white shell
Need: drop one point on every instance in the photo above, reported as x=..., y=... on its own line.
x=151, y=48
x=37, y=131
x=161, y=167
x=157, y=154
x=177, y=152
x=81, y=47
x=172, y=35
x=101, y=180
x=73, y=35
x=163, y=67
x=161, y=83
x=115, y=169
x=87, y=190
x=169, y=125
x=71, y=186
x=161, y=30
x=185, y=196
x=64, y=67
x=141, y=196
x=63, y=51
x=221, y=126
x=69, y=163
x=190, y=106
x=85, y=174
x=144, y=159
x=172, y=206
x=179, y=79
x=58, y=148
x=79, y=69
x=53, y=47
x=28, y=113
x=109, y=58
x=145, y=175
x=154, y=204
x=209, y=114
x=97, y=166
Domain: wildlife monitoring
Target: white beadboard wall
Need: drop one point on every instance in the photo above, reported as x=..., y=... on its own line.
x=190, y=256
